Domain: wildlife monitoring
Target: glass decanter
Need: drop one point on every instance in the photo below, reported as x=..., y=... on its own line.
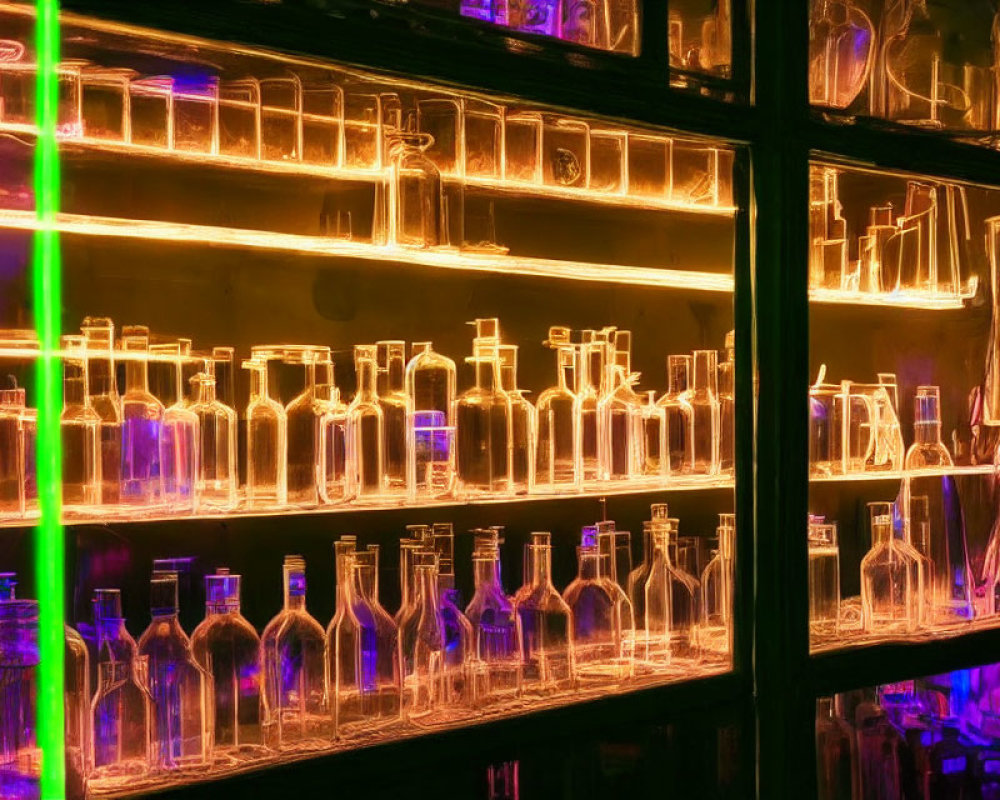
x=493, y=627
x=12, y=456
x=142, y=425
x=366, y=428
x=544, y=626
x=889, y=578
x=593, y=614
x=589, y=368
x=227, y=648
x=179, y=453
x=177, y=685
x=79, y=427
x=927, y=450
x=824, y=578
x=620, y=417
x=727, y=407
x=303, y=414
x=421, y=637
x=680, y=416
x=460, y=686
x=292, y=651
x=267, y=443
x=102, y=391
x=392, y=399
x=704, y=401
x=217, y=473
x=556, y=447
x=483, y=426
x=430, y=392
x=333, y=469
x=522, y=424
x=717, y=581
x=415, y=214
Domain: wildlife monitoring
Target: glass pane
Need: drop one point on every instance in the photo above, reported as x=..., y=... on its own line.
x=902, y=438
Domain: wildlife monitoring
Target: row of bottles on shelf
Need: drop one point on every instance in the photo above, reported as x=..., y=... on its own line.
x=413, y=140
x=917, y=249
x=226, y=696
x=407, y=435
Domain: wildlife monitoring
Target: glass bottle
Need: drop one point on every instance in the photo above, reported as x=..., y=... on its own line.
x=717, y=586
x=79, y=427
x=348, y=671
x=589, y=369
x=267, y=444
x=824, y=579
x=927, y=450
x=460, y=685
x=522, y=424
x=493, y=627
x=556, y=446
x=636, y=583
x=19, y=658
x=658, y=603
x=727, y=407
x=383, y=675
x=217, y=475
x=12, y=461
x=620, y=417
x=142, y=425
x=483, y=426
x=112, y=641
x=421, y=637
x=623, y=620
x=99, y=335
x=704, y=401
x=416, y=200
x=303, y=430
x=392, y=400
x=680, y=416
x=227, y=648
x=593, y=615
x=76, y=702
x=684, y=594
x=177, y=685
x=889, y=579
x=429, y=382
x=919, y=538
x=836, y=754
x=333, y=468
x=841, y=50
x=366, y=428
x=912, y=49
x=292, y=650
x=122, y=723
x=179, y=433
x=655, y=462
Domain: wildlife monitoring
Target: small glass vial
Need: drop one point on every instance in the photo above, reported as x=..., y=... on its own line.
x=680, y=417
x=217, y=476
x=366, y=428
x=267, y=445
x=142, y=425
x=655, y=462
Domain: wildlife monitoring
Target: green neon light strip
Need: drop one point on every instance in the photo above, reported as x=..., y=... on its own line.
x=47, y=304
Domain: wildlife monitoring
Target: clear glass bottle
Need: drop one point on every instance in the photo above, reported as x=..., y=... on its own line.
x=717, y=584
x=303, y=416
x=383, y=674
x=522, y=424
x=20, y=757
x=415, y=215
x=824, y=579
x=889, y=579
x=421, y=637
x=429, y=382
x=684, y=595
x=836, y=754
x=333, y=469
x=177, y=685
x=112, y=641
x=292, y=650
x=636, y=583
x=556, y=448
x=918, y=536
x=727, y=407
x=99, y=336
x=366, y=428
x=12, y=460
x=179, y=432
x=593, y=614
x=655, y=462
x=460, y=684
x=620, y=417
x=658, y=603
x=392, y=399
x=267, y=443
x=123, y=723
x=217, y=474
x=142, y=425
x=348, y=672
x=227, y=648
x=544, y=626
x=493, y=627
x=680, y=416
x=704, y=400
x=589, y=367
x=610, y=552
x=927, y=450
x=483, y=426
x=76, y=702
x=80, y=431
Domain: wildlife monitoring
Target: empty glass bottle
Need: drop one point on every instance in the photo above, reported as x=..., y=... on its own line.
x=227, y=648
x=421, y=637
x=76, y=702
x=20, y=757
x=142, y=425
x=836, y=754
x=267, y=444
x=927, y=450
x=590, y=368
x=824, y=578
x=620, y=417
x=889, y=578
x=334, y=486
x=217, y=475
x=460, y=673
x=918, y=534
x=556, y=445
x=112, y=641
x=292, y=648
x=655, y=462
x=727, y=407
x=392, y=400
x=613, y=546
x=522, y=424
x=384, y=696
x=303, y=414
x=717, y=584
x=179, y=453
x=658, y=603
x=483, y=426
x=102, y=391
x=79, y=427
x=177, y=685
x=415, y=214
x=430, y=391
x=12, y=452
x=493, y=627
x=680, y=416
x=122, y=723
x=366, y=428
x=704, y=401
x=636, y=582
x=593, y=613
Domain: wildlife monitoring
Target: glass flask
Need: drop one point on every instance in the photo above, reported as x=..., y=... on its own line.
x=99, y=334
x=333, y=477
x=142, y=425
x=267, y=445
x=227, y=648
x=415, y=214
x=595, y=645
x=292, y=651
x=76, y=702
x=460, y=673
x=522, y=424
x=556, y=442
x=483, y=426
x=680, y=417
x=590, y=367
x=366, y=428
x=727, y=407
x=889, y=579
x=20, y=757
x=704, y=401
x=494, y=630
x=927, y=450
x=179, y=464
x=717, y=587
x=303, y=414
x=836, y=754
x=80, y=431
x=429, y=383
x=122, y=723
x=392, y=400
x=824, y=578
x=217, y=475
x=620, y=416
x=421, y=637
x=12, y=460
x=544, y=626
x=841, y=52
x=654, y=438
x=177, y=685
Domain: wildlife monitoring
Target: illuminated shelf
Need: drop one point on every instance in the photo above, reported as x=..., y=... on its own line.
x=444, y=258
x=848, y=638
x=935, y=301
x=128, y=515
x=975, y=469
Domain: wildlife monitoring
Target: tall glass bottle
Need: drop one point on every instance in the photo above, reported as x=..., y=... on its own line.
x=493, y=627
x=20, y=757
x=704, y=400
x=636, y=583
x=610, y=553
x=102, y=391
x=179, y=465
x=142, y=425
x=544, y=626
x=366, y=428
x=345, y=662
x=889, y=579
x=680, y=416
x=655, y=461
x=927, y=450
x=483, y=426
x=112, y=641
x=460, y=685
x=590, y=358
x=593, y=614
x=836, y=754
x=919, y=538
x=824, y=579
x=333, y=468
x=217, y=474
x=12, y=456
x=658, y=603
x=177, y=685
x=292, y=651
x=522, y=424
x=430, y=392
x=620, y=417
x=383, y=674
x=76, y=702
x=267, y=444
x=80, y=430
x=227, y=648
x=684, y=596
x=303, y=421
x=717, y=590
x=556, y=467
x=421, y=638
x=392, y=400
x=727, y=407
x=415, y=214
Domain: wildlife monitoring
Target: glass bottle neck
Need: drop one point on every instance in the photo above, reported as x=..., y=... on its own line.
x=258, y=383
x=74, y=391
x=541, y=565
x=427, y=577
x=136, y=376
x=927, y=432
x=486, y=377
x=486, y=572
x=367, y=377
x=589, y=566
x=677, y=378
